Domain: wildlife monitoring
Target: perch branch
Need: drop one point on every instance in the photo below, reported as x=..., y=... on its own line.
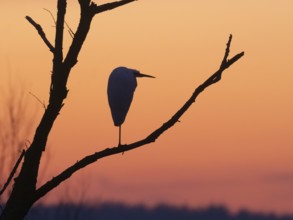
x=54, y=182
x=12, y=172
x=41, y=33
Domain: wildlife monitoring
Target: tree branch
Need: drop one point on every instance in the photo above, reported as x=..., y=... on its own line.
x=12, y=172
x=61, y=7
x=41, y=33
x=109, y=6
x=226, y=63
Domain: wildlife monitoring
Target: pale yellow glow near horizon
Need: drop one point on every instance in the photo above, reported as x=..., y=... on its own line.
x=233, y=147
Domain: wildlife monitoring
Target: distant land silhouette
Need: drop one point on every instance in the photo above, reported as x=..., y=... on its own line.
x=119, y=211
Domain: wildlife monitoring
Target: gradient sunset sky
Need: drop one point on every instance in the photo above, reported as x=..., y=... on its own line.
x=234, y=146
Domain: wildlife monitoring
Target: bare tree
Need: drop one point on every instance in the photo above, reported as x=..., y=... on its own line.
x=25, y=193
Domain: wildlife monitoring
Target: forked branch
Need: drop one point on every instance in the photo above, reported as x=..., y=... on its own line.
x=226, y=63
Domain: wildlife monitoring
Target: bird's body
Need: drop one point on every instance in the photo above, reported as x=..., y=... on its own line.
x=121, y=86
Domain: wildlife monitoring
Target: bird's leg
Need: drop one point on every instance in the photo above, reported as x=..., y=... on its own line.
x=119, y=144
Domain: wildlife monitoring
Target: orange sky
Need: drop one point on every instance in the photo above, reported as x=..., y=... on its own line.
x=233, y=147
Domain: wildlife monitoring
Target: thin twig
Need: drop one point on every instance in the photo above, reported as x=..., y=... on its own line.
x=50, y=14
x=42, y=103
x=41, y=33
x=43, y=190
x=71, y=33
x=12, y=172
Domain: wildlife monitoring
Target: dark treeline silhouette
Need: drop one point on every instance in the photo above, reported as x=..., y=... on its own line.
x=114, y=211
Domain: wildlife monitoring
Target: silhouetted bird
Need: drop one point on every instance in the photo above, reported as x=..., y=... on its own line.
x=121, y=87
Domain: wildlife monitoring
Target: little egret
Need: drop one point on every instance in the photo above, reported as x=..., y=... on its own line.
x=121, y=87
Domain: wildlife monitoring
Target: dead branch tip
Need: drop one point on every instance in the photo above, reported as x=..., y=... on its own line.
x=41, y=33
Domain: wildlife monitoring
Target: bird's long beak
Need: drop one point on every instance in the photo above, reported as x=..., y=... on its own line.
x=138, y=74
